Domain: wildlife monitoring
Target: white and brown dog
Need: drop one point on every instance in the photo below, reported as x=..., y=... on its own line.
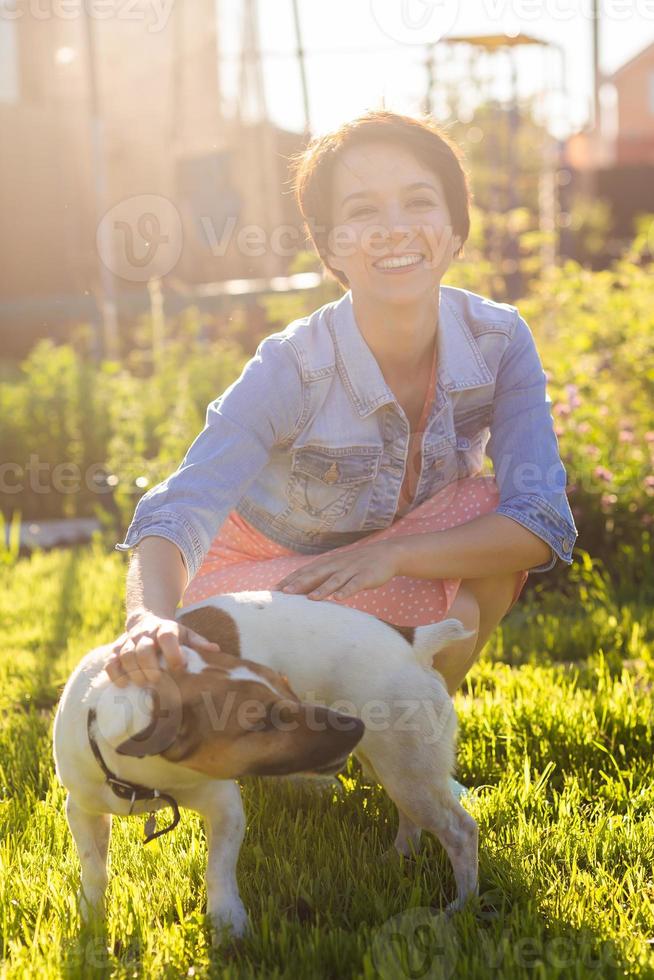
x=290, y=692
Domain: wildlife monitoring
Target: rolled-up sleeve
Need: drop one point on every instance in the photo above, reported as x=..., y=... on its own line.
x=524, y=450
x=260, y=410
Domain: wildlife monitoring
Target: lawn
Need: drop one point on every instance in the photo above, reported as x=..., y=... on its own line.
x=556, y=729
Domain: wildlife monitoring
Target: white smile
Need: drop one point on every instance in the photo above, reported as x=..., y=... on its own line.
x=399, y=261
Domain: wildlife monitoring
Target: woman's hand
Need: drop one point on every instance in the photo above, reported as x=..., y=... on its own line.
x=134, y=654
x=344, y=574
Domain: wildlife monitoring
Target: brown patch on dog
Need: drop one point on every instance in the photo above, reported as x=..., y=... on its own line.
x=408, y=632
x=215, y=625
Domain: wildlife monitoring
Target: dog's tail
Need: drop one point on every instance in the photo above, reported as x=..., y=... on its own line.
x=428, y=640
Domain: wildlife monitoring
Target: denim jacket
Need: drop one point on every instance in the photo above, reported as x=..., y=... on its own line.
x=310, y=445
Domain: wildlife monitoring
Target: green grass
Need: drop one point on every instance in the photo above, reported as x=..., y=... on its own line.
x=556, y=729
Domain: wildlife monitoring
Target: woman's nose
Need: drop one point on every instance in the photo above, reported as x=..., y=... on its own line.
x=395, y=215
x=398, y=232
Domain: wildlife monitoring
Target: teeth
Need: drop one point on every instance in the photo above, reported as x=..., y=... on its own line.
x=397, y=263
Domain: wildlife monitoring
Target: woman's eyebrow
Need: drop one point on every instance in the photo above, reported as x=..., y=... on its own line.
x=409, y=187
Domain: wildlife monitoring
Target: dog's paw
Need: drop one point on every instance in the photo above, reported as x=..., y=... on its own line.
x=90, y=907
x=460, y=902
x=392, y=856
x=228, y=922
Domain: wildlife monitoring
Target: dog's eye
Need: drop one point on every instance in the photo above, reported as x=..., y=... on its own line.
x=286, y=715
x=262, y=722
x=276, y=717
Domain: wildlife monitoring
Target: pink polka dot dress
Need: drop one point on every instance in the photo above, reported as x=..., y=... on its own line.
x=241, y=558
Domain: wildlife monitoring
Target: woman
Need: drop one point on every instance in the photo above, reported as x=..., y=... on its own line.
x=357, y=434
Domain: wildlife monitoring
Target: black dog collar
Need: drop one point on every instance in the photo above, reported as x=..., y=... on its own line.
x=132, y=791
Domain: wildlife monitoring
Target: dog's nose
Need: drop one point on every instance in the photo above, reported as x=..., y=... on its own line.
x=337, y=723
x=339, y=733
x=351, y=728
x=342, y=742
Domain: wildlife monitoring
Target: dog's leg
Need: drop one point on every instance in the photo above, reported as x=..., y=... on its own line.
x=458, y=833
x=414, y=758
x=407, y=839
x=408, y=833
x=91, y=832
x=432, y=807
x=222, y=808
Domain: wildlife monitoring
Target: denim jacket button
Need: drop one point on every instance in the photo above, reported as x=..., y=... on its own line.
x=566, y=544
x=332, y=474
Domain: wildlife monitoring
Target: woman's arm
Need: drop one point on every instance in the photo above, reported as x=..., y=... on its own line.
x=261, y=409
x=156, y=579
x=488, y=545
x=155, y=582
x=491, y=544
x=525, y=453
x=175, y=522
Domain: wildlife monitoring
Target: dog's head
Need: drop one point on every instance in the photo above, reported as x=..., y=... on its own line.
x=228, y=717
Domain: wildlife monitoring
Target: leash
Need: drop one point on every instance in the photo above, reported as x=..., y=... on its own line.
x=132, y=791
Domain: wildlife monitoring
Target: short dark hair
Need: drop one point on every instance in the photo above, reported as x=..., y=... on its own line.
x=312, y=170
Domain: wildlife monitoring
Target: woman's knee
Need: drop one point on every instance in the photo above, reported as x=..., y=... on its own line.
x=465, y=608
x=494, y=594
x=451, y=661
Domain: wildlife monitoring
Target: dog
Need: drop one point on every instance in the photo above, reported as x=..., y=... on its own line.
x=297, y=686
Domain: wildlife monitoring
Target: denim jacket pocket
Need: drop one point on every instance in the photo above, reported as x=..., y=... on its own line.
x=439, y=468
x=325, y=482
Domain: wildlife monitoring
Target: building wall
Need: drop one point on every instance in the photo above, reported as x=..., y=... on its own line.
x=44, y=168
x=165, y=133
x=635, y=91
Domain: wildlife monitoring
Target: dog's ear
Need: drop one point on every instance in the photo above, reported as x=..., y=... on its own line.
x=164, y=729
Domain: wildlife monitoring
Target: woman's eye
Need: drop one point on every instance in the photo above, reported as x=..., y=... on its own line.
x=418, y=200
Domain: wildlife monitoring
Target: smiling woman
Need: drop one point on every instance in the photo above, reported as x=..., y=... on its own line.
x=346, y=461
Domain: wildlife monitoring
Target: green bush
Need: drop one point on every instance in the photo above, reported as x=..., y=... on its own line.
x=594, y=331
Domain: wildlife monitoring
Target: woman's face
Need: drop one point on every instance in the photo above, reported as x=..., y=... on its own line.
x=386, y=203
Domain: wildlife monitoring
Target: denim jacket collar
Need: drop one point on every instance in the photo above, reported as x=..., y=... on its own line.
x=461, y=363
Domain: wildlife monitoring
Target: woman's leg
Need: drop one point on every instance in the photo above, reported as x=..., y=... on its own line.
x=480, y=604
x=450, y=661
x=495, y=597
